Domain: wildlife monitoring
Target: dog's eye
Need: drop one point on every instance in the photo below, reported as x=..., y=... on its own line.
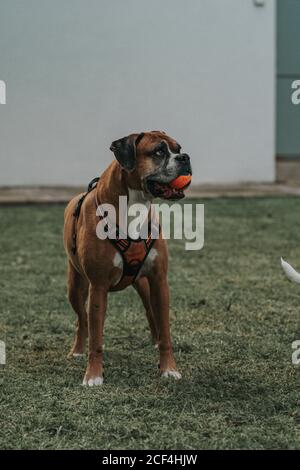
x=159, y=153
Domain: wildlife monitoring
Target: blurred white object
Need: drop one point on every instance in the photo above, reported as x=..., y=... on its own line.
x=291, y=273
x=2, y=353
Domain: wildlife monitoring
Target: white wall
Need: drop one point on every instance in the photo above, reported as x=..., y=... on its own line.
x=81, y=74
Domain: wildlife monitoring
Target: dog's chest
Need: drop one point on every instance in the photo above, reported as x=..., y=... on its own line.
x=148, y=263
x=145, y=270
x=133, y=258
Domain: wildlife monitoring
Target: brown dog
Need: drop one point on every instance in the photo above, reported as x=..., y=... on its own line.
x=145, y=164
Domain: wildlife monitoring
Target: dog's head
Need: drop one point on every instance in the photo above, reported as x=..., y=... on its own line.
x=152, y=160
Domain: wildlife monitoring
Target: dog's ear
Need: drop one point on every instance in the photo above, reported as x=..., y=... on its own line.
x=125, y=150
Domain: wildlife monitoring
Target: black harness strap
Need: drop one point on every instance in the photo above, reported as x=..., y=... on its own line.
x=92, y=185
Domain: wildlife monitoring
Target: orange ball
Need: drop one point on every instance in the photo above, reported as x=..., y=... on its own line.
x=181, y=181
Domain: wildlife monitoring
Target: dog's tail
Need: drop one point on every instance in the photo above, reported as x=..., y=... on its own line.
x=291, y=273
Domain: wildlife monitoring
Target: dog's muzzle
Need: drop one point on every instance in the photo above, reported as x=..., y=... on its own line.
x=159, y=186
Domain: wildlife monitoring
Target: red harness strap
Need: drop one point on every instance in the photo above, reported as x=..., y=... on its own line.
x=134, y=254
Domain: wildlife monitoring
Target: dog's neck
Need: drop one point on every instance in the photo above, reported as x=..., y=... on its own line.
x=136, y=196
x=115, y=182
x=111, y=185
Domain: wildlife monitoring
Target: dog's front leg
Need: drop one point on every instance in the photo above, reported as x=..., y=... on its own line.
x=160, y=291
x=96, y=313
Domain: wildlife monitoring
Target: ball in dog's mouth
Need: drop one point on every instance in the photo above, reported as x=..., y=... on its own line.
x=172, y=190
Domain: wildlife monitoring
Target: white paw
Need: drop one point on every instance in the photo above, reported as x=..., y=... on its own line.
x=93, y=381
x=172, y=373
x=78, y=354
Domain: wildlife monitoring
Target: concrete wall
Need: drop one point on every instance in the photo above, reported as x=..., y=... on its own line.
x=80, y=74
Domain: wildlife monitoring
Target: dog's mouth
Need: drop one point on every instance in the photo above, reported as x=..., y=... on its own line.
x=164, y=190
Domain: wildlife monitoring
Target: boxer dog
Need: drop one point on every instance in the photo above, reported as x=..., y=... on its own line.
x=145, y=163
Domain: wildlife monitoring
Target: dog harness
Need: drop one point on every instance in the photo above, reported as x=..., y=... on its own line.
x=133, y=252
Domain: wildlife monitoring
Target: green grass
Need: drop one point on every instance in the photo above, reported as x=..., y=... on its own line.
x=234, y=317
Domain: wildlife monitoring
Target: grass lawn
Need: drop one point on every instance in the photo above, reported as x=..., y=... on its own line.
x=234, y=317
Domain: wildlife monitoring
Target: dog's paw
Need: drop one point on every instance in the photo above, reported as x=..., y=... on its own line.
x=93, y=381
x=171, y=373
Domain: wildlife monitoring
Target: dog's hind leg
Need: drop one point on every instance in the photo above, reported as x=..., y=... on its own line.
x=142, y=287
x=77, y=294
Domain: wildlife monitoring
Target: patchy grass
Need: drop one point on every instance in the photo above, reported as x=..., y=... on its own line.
x=234, y=317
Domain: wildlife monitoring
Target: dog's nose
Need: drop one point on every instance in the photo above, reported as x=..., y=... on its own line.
x=182, y=158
